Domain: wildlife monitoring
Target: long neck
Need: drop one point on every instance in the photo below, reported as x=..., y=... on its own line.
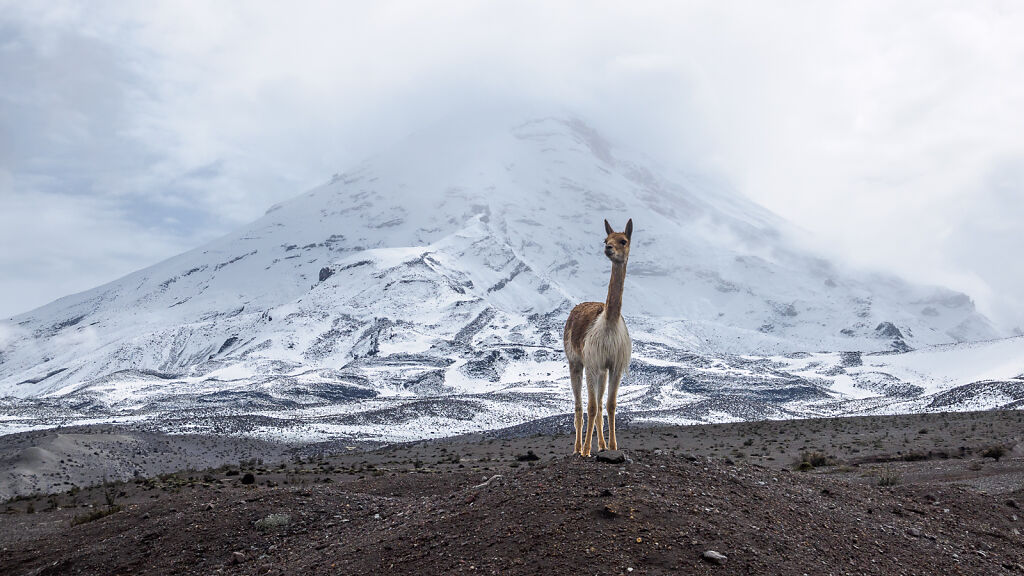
x=613, y=305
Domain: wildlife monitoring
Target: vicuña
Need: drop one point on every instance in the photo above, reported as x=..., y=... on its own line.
x=596, y=340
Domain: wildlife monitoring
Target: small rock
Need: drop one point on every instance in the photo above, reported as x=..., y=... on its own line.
x=714, y=557
x=237, y=557
x=208, y=507
x=1012, y=503
x=488, y=481
x=611, y=457
x=145, y=516
x=914, y=532
x=528, y=457
x=248, y=478
x=609, y=512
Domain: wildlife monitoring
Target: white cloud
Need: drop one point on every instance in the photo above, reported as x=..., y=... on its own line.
x=877, y=126
x=55, y=245
x=9, y=334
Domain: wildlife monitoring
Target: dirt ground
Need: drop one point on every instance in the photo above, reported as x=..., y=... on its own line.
x=877, y=495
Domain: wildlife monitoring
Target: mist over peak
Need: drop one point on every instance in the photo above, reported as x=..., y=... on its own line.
x=431, y=281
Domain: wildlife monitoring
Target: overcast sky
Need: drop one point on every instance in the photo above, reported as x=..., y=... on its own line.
x=893, y=132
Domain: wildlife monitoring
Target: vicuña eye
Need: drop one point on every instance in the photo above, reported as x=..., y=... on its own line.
x=623, y=242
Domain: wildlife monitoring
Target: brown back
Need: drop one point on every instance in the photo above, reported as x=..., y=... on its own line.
x=580, y=319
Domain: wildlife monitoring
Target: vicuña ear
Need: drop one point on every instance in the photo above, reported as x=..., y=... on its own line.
x=608, y=227
x=629, y=228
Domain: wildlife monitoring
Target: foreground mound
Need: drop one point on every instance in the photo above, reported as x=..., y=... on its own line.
x=658, y=512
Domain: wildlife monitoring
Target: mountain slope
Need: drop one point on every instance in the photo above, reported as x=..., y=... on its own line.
x=445, y=267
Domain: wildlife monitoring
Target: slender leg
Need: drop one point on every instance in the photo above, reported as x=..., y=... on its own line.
x=613, y=391
x=576, y=376
x=593, y=405
x=602, y=382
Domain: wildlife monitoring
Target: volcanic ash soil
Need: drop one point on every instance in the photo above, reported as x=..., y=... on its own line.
x=485, y=506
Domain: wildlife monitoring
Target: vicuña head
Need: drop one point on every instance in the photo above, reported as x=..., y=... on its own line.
x=596, y=341
x=616, y=245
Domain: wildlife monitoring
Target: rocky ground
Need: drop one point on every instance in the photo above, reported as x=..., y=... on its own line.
x=878, y=495
x=62, y=459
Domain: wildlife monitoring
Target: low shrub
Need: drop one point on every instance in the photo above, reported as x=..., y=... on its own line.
x=94, y=515
x=994, y=452
x=812, y=459
x=889, y=478
x=273, y=521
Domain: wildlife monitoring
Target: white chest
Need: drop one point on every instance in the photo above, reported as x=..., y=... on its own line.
x=607, y=346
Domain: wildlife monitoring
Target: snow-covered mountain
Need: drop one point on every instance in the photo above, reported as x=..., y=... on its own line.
x=438, y=276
